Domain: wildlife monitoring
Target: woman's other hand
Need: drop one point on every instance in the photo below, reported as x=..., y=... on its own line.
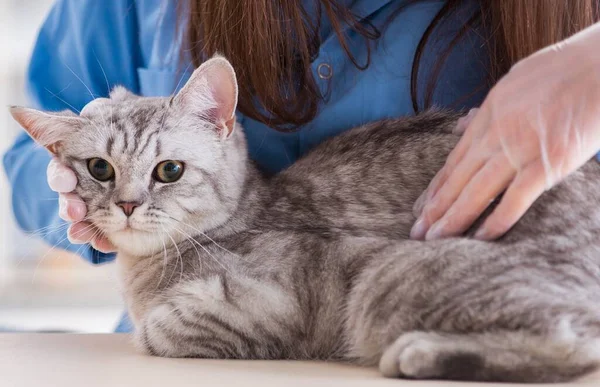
x=537, y=125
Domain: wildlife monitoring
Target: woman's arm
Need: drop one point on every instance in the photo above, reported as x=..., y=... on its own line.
x=84, y=48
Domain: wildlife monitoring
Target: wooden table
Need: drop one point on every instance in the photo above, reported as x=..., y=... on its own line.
x=66, y=360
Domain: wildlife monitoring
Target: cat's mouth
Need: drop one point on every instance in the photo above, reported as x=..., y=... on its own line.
x=129, y=229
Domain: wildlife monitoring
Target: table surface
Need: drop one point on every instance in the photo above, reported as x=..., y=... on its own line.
x=67, y=360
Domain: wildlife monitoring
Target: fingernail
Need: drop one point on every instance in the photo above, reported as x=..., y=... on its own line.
x=80, y=233
x=435, y=232
x=418, y=229
x=482, y=234
x=75, y=212
x=62, y=208
x=463, y=122
x=417, y=206
x=103, y=245
x=421, y=202
x=75, y=239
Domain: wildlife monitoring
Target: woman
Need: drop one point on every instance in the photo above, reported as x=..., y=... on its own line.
x=311, y=69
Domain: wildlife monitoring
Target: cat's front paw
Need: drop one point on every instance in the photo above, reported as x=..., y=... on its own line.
x=426, y=355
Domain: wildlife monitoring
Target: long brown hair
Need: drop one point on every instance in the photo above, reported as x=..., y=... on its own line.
x=272, y=43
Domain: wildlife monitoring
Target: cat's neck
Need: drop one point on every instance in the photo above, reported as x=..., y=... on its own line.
x=251, y=201
x=249, y=206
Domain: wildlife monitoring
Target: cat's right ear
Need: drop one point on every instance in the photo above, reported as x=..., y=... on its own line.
x=212, y=90
x=47, y=129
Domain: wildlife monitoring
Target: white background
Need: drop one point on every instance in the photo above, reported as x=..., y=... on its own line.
x=40, y=287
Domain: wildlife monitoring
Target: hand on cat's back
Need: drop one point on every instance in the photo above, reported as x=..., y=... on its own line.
x=537, y=125
x=62, y=179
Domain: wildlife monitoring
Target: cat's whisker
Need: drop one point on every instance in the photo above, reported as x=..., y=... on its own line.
x=107, y=89
x=80, y=80
x=165, y=258
x=181, y=78
x=194, y=242
x=94, y=235
x=53, y=228
x=179, y=257
x=47, y=199
x=103, y=73
x=190, y=239
x=47, y=230
x=63, y=101
x=52, y=248
x=205, y=250
x=50, y=229
x=206, y=236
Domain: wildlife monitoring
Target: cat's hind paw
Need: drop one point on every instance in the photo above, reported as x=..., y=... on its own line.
x=422, y=355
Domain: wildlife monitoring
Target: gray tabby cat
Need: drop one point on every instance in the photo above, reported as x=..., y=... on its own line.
x=219, y=261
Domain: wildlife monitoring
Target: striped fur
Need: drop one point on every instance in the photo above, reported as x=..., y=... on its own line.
x=315, y=262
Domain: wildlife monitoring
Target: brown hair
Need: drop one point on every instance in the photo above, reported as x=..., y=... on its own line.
x=271, y=44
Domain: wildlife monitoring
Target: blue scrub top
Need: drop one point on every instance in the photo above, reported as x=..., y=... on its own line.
x=86, y=47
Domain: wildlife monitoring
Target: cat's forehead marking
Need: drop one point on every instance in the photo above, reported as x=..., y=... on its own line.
x=129, y=128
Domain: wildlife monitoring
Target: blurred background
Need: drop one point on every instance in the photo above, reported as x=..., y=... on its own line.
x=41, y=288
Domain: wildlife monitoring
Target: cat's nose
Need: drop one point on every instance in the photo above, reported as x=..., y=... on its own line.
x=128, y=207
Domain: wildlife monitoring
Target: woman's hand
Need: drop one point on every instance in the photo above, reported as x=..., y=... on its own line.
x=538, y=124
x=72, y=209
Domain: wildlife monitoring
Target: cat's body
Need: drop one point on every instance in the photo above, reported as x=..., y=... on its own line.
x=315, y=262
x=322, y=270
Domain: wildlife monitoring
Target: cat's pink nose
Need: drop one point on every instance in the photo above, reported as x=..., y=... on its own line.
x=128, y=207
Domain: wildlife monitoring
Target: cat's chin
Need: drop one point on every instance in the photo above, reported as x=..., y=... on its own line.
x=136, y=242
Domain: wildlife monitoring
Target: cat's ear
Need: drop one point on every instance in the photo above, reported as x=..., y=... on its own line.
x=212, y=89
x=47, y=129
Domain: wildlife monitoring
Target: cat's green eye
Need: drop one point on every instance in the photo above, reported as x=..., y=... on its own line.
x=100, y=169
x=168, y=171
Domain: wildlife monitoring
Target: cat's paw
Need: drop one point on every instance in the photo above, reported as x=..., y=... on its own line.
x=428, y=355
x=413, y=355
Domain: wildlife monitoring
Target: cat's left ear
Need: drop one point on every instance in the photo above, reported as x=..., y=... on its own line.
x=47, y=129
x=212, y=90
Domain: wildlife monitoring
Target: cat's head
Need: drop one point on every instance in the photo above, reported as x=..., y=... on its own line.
x=152, y=170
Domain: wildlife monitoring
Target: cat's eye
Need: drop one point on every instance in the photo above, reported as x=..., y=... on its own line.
x=168, y=171
x=100, y=169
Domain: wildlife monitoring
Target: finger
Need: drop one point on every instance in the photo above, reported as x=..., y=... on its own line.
x=449, y=192
x=419, y=229
x=60, y=178
x=81, y=232
x=421, y=226
x=103, y=245
x=520, y=195
x=426, y=195
x=440, y=178
x=70, y=207
x=485, y=186
x=463, y=122
x=454, y=158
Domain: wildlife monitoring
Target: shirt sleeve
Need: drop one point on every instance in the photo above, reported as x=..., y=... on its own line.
x=84, y=48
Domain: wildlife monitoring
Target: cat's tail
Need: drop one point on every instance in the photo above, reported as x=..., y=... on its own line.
x=501, y=356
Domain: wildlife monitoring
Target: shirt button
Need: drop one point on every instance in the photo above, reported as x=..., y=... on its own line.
x=324, y=71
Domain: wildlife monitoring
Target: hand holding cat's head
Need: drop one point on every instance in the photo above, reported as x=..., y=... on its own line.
x=152, y=170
